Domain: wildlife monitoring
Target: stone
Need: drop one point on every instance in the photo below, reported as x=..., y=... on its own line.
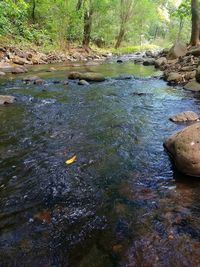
x=198, y=74
x=31, y=78
x=2, y=73
x=194, y=51
x=185, y=116
x=184, y=148
x=38, y=82
x=149, y=62
x=7, y=99
x=74, y=75
x=65, y=83
x=18, y=70
x=20, y=61
x=177, y=50
x=192, y=86
x=51, y=69
x=92, y=77
x=139, y=61
x=83, y=82
x=119, y=61
x=123, y=77
x=174, y=77
x=160, y=61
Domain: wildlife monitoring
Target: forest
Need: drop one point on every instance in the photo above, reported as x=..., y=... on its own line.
x=103, y=23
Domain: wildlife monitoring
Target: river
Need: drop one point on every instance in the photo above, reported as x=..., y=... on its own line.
x=121, y=203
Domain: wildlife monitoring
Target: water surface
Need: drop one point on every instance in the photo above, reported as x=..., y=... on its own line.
x=121, y=203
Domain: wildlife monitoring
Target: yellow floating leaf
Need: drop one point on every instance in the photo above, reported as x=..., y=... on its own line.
x=72, y=160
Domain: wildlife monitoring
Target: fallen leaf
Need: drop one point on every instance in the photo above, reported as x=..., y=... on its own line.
x=44, y=216
x=71, y=160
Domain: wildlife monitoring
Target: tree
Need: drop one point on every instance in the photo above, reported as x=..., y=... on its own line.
x=195, y=40
x=126, y=12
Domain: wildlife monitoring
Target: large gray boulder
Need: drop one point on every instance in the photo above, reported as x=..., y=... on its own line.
x=7, y=99
x=184, y=148
x=177, y=50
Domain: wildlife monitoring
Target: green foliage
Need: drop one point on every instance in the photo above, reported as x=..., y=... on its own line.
x=58, y=22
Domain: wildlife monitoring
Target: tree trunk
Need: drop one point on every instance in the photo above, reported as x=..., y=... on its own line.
x=120, y=37
x=33, y=11
x=87, y=28
x=195, y=23
x=180, y=29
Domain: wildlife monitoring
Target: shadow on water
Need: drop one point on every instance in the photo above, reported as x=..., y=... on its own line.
x=118, y=204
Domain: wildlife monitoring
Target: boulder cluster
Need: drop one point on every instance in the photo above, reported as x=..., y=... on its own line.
x=20, y=57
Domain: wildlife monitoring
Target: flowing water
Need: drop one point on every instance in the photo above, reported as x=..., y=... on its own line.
x=121, y=203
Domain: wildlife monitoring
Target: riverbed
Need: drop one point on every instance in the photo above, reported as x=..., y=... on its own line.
x=121, y=203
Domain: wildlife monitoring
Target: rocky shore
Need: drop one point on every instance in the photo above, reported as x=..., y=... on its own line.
x=180, y=65
x=15, y=60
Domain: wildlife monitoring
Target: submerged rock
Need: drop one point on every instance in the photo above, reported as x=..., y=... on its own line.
x=185, y=116
x=38, y=81
x=31, y=78
x=123, y=77
x=149, y=62
x=184, y=147
x=7, y=99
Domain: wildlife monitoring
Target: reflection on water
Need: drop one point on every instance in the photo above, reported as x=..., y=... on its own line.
x=119, y=204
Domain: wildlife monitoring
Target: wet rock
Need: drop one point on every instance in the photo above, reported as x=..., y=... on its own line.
x=83, y=82
x=7, y=99
x=184, y=147
x=65, y=83
x=19, y=70
x=198, y=74
x=92, y=77
x=149, y=54
x=192, y=86
x=74, y=75
x=177, y=50
x=51, y=69
x=39, y=82
x=2, y=73
x=174, y=78
x=160, y=61
x=31, y=78
x=139, y=61
x=185, y=116
x=149, y=62
x=123, y=77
